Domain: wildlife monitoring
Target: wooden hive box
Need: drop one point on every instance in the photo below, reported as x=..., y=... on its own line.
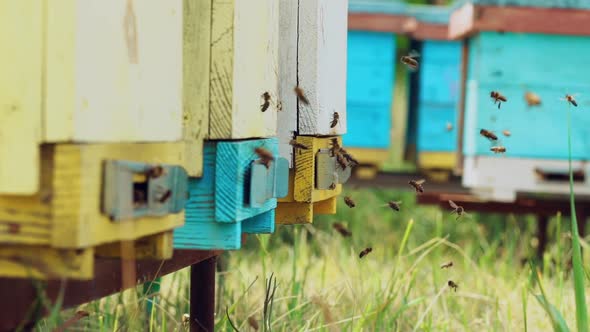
x=435, y=91
x=312, y=55
x=75, y=71
x=518, y=59
x=237, y=194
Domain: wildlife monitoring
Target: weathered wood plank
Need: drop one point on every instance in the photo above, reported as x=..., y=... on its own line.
x=131, y=93
x=322, y=65
x=196, y=75
x=157, y=246
x=244, y=65
x=43, y=262
x=20, y=96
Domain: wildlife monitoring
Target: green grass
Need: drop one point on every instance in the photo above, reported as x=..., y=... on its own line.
x=322, y=285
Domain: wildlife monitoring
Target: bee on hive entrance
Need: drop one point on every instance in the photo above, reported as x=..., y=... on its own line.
x=301, y=95
x=488, y=134
x=365, y=252
x=335, y=119
x=349, y=201
x=298, y=146
x=341, y=229
x=446, y=265
x=570, y=99
x=498, y=98
x=265, y=156
x=335, y=149
x=394, y=205
x=410, y=60
x=253, y=323
x=507, y=133
x=417, y=185
x=332, y=186
x=532, y=99
x=498, y=149
x=453, y=285
x=349, y=158
x=266, y=104
x=341, y=161
x=457, y=209
x=155, y=172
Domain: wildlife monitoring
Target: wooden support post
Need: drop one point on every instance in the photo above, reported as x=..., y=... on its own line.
x=202, y=295
x=542, y=222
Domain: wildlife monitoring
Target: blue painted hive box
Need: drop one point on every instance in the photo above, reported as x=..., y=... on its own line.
x=236, y=194
x=370, y=70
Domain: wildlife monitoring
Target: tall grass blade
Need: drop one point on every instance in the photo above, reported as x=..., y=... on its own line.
x=581, y=310
x=557, y=321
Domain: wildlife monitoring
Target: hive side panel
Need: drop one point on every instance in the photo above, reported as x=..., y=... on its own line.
x=196, y=74
x=20, y=95
x=287, y=116
x=322, y=65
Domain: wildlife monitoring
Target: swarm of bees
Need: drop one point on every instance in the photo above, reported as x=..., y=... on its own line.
x=410, y=60
x=266, y=157
x=365, y=252
x=343, y=157
x=498, y=98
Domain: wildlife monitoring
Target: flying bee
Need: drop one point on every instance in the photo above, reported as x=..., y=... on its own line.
x=301, y=95
x=297, y=145
x=507, y=133
x=410, y=60
x=394, y=205
x=349, y=158
x=341, y=161
x=265, y=156
x=532, y=99
x=457, y=209
x=365, y=252
x=570, y=99
x=498, y=149
x=446, y=265
x=253, y=323
x=349, y=202
x=341, y=229
x=453, y=285
x=335, y=119
x=417, y=185
x=266, y=97
x=498, y=98
x=488, y=134
x=449, y=126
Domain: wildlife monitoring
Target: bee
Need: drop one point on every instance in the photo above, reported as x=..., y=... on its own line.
x=301, y=95
x=335, y=146
x=297, y=145
x=165, y=196
x=365, y=252
x=488, y=134
x=498, y=149
x=332, y=186
x=498, y=98
x=457, y=209
x=155, y=172
x=532, y=99
x=410, y=60
x=394, y=205
x=349, y=202
x=341, y=160
x=417, y=185
x=265, y=156
x=507, y=133
x=341, y=229
x=266, y=104
x=453, y=285
x=253, y=323
x=570, y=99
x=335, y=119
x=446, y=265
x=349, y=158
x=449, y=126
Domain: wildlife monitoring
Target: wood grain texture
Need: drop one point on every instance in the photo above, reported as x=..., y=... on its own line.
x=42, y=262
x=305, y=170
x=263, y=223
x=294, y=213
x=20, y=96
x=232, y=179
x=472, y=18
x=244, y=65
x=196, y=75
x=377, y=22
x=157, y=246
x=322, y=65
x=131, y=93
x=287, y=117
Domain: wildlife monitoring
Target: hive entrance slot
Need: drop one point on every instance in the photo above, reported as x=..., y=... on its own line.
x=140, y=191
x=560, y=176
